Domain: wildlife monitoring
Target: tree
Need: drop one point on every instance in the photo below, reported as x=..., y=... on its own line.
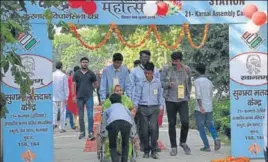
x=214, y=54
x=12, y=23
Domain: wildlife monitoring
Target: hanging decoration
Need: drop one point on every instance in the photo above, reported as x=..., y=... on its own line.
x=257, y=18
x=152, y=28
x=189, y=37
x=76, y=3
x=89, y=7
x=162, y=8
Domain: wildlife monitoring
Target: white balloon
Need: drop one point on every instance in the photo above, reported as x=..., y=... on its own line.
x=150, y=9
x=252, y=28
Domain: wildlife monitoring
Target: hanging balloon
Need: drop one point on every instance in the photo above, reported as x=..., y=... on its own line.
x=249, y=10
x=259, y=18
x=89, y=7
x=162, y=8
x=76, y=3
x=150, y=9
x=252, y=28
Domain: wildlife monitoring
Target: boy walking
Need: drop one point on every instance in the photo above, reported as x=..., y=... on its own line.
x=204, y=109
x=148, y=100
x=117, y=119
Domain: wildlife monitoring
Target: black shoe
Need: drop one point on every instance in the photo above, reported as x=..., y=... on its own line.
x=91, y=136
x=155, y=155
x=62, y=131
x=74, y=128
x=146, y=155
x=81, y=136
x=205, y=149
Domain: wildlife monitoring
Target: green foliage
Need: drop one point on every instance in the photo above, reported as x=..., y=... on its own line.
x=69, y=50
x=221, y=115
x=214, y=54
x=12, y=23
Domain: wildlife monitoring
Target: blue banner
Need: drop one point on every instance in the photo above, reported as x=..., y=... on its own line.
x=147, y=12
x=27, y=130
x=248, y=90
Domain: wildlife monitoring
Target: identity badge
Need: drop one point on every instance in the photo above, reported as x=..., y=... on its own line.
x=181, y=91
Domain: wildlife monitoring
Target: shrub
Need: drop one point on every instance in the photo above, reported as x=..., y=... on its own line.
x=221, y=116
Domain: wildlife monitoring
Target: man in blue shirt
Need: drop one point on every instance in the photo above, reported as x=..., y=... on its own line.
x=113, y=75
x=117, y=119
x=136, y=76
x=148, y=100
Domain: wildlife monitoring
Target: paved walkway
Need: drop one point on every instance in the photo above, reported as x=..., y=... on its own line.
x=69, y=149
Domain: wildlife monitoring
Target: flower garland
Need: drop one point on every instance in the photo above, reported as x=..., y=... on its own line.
x=152, y=28
x=172, y=47
x=123, y=41
x=189, y=37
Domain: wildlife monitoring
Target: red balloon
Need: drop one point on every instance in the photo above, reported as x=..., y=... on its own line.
x=89, y=7
x=162, y=8
x=76, y=3
x=249, y=10
x=259, y=18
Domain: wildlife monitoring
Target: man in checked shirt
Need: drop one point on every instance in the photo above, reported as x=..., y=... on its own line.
x=148, y=100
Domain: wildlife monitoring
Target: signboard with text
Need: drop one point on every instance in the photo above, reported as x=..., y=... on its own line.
x=136, y=12
x=248, y=90
x=27, y=130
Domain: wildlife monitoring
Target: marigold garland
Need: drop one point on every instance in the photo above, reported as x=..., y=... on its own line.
x=189, y=37
x=123, y=41
x=152, y=28
x=177, y=42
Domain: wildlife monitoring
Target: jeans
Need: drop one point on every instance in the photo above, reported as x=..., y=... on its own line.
x=203, y=120
x=113, y=129
x=149, y=126
x=173, y=108
x=89, y=106
x=70, y=115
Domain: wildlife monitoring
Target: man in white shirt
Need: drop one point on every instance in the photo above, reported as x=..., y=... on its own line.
x=60, y=96
x=204, y=109
x=265, y=136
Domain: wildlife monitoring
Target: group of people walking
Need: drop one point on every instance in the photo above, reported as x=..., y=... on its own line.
x=142, y=92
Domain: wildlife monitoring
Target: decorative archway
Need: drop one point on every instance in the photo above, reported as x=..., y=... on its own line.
x=28, y=134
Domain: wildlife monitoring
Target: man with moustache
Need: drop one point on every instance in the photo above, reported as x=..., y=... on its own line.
x=176, y=82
